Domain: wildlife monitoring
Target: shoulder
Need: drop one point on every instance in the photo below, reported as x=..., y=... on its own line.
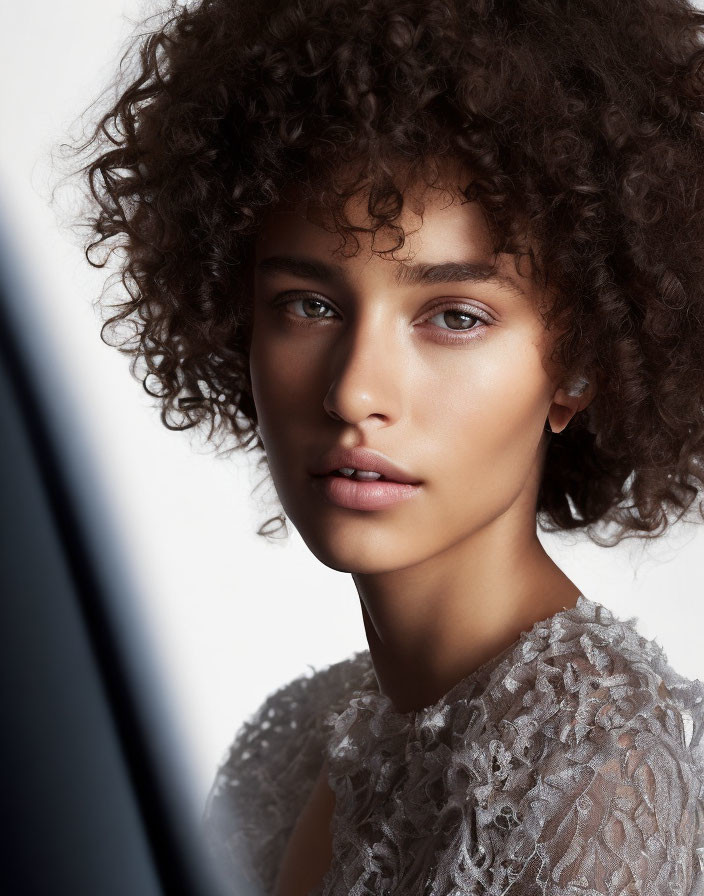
x=268, y=771
x=612, y=795
x=593, y=671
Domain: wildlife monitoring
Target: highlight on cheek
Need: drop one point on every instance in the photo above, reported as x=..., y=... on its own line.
x=473, y=325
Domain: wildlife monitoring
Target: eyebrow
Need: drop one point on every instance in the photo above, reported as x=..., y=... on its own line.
x=406, y=274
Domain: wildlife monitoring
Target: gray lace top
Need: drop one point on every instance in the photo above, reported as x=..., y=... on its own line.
x=571, y=763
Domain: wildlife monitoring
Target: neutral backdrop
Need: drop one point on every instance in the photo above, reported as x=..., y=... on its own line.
x=229, y=616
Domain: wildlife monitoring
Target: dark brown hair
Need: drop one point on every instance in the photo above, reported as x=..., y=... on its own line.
x=584, y=120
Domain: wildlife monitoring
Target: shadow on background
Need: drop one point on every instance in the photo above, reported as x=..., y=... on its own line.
x=93, y=794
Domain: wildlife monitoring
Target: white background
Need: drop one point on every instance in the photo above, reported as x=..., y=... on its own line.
x=230, y=615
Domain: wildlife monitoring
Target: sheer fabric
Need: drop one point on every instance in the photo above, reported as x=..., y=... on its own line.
x=571, y=763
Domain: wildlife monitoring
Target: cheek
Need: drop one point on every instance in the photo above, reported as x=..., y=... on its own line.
x=486, y=418
x=265, y=387
x=275, y=358
x=283, y=379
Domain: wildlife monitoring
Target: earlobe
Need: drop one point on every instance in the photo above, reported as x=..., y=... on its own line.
x=561, y=412
x=567, y=402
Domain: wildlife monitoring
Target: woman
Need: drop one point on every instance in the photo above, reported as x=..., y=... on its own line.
x=444, y=263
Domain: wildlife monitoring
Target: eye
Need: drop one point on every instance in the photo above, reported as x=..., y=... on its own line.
x=463, y=323
x=457, y=322
x=309, y=302
x=460, y=318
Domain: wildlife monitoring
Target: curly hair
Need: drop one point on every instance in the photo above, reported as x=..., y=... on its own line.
x=582, y=119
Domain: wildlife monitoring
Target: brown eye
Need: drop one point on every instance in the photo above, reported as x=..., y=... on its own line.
x=317, y=307
x=458, y=320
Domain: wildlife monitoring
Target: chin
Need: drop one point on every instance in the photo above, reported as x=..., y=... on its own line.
x=368, y=553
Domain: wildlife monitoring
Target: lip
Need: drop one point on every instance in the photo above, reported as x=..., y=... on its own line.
x=363, y=459
x=354, y=494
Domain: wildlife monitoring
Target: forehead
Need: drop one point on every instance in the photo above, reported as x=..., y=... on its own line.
x=437, y=226
x=445, y=238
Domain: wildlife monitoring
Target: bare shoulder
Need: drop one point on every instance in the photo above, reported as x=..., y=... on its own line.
x=309, y=850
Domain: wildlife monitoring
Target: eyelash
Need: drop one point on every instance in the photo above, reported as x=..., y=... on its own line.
x=476, y=332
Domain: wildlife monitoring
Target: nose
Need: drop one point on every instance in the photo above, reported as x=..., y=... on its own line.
x=366, y=376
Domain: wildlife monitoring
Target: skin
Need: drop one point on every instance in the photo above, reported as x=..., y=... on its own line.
x=451, y=577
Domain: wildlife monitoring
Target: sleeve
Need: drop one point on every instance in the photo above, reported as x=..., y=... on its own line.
x=617, y=812
x=266, y=777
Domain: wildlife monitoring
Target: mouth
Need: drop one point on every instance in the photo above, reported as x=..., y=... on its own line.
x=355, y=477
x=363, y=494
x=361, y=464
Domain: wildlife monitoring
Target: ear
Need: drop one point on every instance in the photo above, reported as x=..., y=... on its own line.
x=568, y=401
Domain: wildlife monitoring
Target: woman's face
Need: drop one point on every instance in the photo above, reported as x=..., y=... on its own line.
x=440, y=370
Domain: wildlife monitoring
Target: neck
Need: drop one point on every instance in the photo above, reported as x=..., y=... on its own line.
x=431, y=625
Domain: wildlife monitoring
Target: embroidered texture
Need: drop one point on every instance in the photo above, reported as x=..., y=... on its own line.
x=571, y=763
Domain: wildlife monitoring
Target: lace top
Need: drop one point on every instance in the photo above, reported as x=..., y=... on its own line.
x=570, y=763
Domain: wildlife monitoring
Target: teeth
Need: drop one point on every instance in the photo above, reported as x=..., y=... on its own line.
x=358, y=474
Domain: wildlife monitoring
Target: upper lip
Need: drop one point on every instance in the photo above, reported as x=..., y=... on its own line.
x=362, y=459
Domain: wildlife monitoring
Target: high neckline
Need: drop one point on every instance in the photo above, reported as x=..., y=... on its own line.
x=369, y=689
x=431, y=795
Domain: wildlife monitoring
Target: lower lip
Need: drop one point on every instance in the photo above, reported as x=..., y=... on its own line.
x=357, y=494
